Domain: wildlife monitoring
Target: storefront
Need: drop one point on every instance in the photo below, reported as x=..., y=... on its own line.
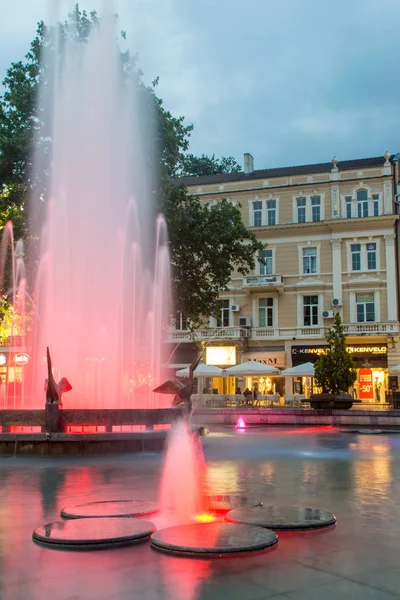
x=371, y=363
x=12, y=377
x=266, y=385
x=222, y=357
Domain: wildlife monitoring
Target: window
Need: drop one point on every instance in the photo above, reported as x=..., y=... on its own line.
x=356, y=257
x=179, y=321
x=309, y=260
x=364, y=257
x=316, y=208
x=310, y=310
x=365, y=307
x=375, y=198
x=371, y=257
x=267, y=268
x=362, y=203
x=271, y=212
x=349, y=203
x=301, y=210
x=266, y=312
x=257, y=214
x=222, y=317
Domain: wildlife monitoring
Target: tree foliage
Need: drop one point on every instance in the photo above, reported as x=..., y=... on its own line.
x=205, y=242
x=335, y=371
x=193, y=166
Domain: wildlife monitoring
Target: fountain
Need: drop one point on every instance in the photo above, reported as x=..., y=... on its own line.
x=103, y=276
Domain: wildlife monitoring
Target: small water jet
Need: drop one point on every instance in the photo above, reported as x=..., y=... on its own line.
x=241, y=423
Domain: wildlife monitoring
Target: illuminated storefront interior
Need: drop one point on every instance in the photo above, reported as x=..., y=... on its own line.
x=372, y=383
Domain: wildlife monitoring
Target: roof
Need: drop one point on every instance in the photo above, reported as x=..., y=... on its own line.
x=344, y=165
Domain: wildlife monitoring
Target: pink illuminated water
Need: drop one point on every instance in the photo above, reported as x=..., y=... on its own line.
x=103, y=270
x=241, y=423
x=182, y=483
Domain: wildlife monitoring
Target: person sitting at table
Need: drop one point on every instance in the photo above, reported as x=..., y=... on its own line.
x=238, y=390
x=247, y=395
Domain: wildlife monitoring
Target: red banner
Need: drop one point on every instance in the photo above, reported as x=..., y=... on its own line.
x=365, y=384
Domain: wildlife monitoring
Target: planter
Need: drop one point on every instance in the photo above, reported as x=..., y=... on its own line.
x=337, y=401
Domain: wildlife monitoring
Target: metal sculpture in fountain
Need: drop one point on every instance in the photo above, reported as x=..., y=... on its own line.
x=54, y=390
x=182, y=390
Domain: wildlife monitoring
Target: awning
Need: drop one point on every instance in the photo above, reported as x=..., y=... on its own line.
x=202, y=370
x=251, y=368
x=303, y=370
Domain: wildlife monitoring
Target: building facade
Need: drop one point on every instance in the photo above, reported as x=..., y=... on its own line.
x=332, y=235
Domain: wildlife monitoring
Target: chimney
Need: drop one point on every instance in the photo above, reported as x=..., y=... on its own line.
x=248, y=163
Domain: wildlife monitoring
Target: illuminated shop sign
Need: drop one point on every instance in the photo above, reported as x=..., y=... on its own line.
x=221, y=355
x=21, y=359
x=378, y=350
x=3, y=359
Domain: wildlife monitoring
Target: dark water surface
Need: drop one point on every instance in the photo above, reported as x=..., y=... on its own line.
x=357, y=477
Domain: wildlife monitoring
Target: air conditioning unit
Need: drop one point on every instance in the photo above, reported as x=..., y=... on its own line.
x=327, y=314
x=235, y=307
x=336, y=302
x=244, y=322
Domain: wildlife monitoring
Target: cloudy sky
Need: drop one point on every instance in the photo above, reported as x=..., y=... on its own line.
x=292, y=82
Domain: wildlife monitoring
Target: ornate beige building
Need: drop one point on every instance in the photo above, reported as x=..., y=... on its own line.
x=332, y=235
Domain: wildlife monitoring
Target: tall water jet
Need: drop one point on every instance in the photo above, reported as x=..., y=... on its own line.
x=102, y=288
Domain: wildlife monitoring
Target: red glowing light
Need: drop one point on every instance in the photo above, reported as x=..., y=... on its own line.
x=240, y=423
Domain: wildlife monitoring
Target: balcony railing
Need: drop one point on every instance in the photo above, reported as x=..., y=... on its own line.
x=274, y=282
x=371, y=328
x=281, y=333
x=226, y=333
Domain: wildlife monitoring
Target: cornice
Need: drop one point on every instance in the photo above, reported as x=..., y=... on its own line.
x=329, y=225
x=281, y=186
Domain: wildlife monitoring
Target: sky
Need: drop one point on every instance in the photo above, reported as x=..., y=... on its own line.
x=292, y=82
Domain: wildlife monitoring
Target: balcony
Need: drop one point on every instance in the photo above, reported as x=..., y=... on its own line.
x=263, y=282
x=287, y=333
x=281, y=333
x=226, y=333
x=371, y=329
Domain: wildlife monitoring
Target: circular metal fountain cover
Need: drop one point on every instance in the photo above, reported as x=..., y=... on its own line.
x=223, y=503
x=112, y=508
x=212, y=539
x=87, y=534
x=282, y=518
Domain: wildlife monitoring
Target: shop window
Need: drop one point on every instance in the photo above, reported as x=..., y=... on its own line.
x=309, y=260
x=267, y=257
x=365, y=307
x=223, y=311
x=257, y=214
x=266, y=312
x=310, y=310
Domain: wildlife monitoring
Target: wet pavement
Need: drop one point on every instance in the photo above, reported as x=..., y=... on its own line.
x=356, y=477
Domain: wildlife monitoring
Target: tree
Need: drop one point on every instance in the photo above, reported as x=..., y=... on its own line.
x=335, y=371
x=205, y=243
x=193, y=166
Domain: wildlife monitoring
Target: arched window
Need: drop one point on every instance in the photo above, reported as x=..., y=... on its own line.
x=362, y=203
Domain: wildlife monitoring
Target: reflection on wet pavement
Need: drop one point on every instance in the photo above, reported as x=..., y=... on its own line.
x=353, y=476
